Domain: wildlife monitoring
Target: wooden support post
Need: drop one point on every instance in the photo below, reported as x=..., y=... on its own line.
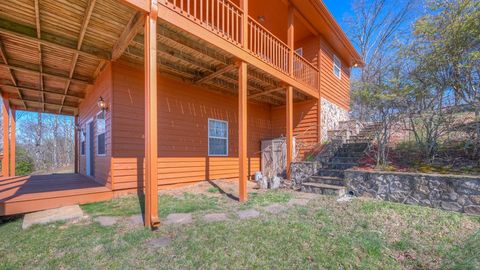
x=6, y=148
x=151, y=126
x=13, y=138
x=76, y=140
x=291, y=37
x=242, y=131
x=289, y=125
x=244, y=31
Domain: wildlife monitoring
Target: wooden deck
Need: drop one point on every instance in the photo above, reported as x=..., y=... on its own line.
x=33, y=193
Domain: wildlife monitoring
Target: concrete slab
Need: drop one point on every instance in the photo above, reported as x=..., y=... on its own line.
x=215, y=217
x=275, y=208
x=248, y=214
x=306, y=195
x=52, y=215
x=106, y=220
x=301, y=202
x=136, y=220
x=159, y=242
x=179, y=218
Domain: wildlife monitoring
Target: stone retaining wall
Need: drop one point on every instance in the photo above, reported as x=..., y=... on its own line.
x=301, y=171
x=450, y=192
x=331, y=114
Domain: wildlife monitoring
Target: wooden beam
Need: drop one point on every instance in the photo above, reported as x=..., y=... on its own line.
x=289, y=126
x=151, y=111
x=39, y=36
x=143, y=5
x=13, y=138
x=242, y=130
x=25, y=33
x=76, y=146
x=266, y=92
x=291, y=37
x=3, y=54
x=6, y=148
x=215, y=74
x=83, y=30
x=46, y=91
x=36, y=72
x=130, y=31
x=244, y=29
x=74, y=107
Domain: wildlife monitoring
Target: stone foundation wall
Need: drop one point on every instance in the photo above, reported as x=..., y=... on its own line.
x=301, y=171
x=450, y=192
x=331, y=114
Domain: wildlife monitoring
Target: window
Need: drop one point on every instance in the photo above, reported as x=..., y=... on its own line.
x=82, y=141
x=100, y=125
x=217, y=138
x=337, y=67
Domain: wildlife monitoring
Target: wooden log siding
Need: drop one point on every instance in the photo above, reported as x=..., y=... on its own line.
x=184, y=110
x=88, y=110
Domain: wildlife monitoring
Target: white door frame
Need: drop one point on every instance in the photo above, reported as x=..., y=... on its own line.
x=87, y=148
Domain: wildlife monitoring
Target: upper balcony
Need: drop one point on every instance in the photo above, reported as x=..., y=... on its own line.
x=262, y=48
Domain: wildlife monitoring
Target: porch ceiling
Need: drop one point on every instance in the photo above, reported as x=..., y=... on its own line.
x=51, y=51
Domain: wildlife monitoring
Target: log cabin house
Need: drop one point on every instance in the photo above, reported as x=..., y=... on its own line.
x=167, y=92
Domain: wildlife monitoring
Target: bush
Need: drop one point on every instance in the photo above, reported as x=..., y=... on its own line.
x=24, y=162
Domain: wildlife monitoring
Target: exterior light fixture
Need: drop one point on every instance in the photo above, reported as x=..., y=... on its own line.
x=261, y=19
x=102, y=104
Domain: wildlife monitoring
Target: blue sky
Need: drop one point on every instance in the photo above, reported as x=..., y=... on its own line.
x=338, y=8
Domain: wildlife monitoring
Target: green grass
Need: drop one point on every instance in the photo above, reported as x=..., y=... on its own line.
x=362, y=234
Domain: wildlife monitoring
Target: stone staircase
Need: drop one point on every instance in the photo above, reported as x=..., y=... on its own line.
x=347, y=147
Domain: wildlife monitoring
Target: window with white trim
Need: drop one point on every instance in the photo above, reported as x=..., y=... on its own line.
x=82, y=141
x=337, y=67
x=299, y=51
x=217, y=137
x=101, y=130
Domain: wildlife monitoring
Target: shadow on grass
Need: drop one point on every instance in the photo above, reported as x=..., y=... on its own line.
x=229, y=195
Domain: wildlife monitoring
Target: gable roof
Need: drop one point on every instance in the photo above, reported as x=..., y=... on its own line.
x=317, y=14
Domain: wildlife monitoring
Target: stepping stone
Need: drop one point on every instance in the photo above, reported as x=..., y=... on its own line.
x=215, y=217
x=159, y=242
x=248, y=214
x=309, y=196
x=301, y=202
x=106, y=220
x=136, y=220
x=52, y=215
x=275, y=208
x=179, y=219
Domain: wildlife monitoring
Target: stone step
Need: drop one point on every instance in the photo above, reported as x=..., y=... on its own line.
x=331, y=172
x=327, y=180
x=347, y=154
x=337, y=159
x=323, y=189
x=358, y=141
x=340, y=166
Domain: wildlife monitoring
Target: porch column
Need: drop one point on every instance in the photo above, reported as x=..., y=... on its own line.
x=6, y=147
x=289, y=126
x=76, y=144
x=13, y=137
x=290, y=37
x=151, y=127
x=244, y=8
x=242, y=131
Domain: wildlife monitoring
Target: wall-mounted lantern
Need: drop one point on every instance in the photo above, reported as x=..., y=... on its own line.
x=261, y=19
x=102, y=104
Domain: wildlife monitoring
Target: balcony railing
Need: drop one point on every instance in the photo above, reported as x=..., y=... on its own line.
x=219, y=16
x=267, y=46
x=304, y=71
x=224, y=18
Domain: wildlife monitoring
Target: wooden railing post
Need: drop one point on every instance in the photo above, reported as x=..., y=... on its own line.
x=242, y=130
x=13, y=138
x=151, y=126
x=244, y=27
x=6, y=147
x=289, y=126
x=291, y=38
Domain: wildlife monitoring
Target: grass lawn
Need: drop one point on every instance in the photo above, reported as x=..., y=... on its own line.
x=325, y=234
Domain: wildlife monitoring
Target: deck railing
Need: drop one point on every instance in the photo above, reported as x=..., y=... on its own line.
x=220, y=16
x=267, y=46
x=304, y=71
x=224, y=18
